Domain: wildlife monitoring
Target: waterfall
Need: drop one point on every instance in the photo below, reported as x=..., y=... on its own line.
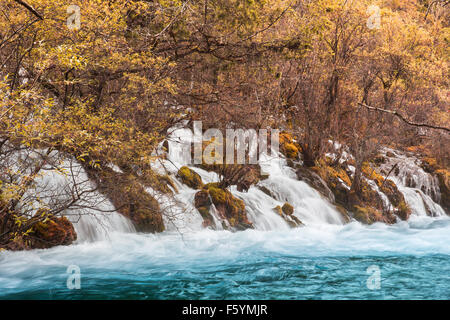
x=310, y=206
x=420, y=189
x=94, y=217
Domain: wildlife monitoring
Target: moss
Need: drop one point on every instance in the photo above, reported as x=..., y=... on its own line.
x=130, y=198
x=288, y=147
x=228, y=206
x=53, y=231
x=367, y=215
x=190, y=178
x=403, y=210
x=444, y=186
x=371, y=174
x=288, y=209
x=278, y=210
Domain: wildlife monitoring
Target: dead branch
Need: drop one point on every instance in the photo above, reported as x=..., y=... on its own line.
x=401, y=117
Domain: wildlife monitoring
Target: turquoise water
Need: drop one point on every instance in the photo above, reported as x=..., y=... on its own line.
x=314, y=262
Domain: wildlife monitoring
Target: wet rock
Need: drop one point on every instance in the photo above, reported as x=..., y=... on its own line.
x=130, y=198
x=228, y=206
x=287, y=209
x=444, y=186
x=315, y=181
x=203, y=203
x=54, y=231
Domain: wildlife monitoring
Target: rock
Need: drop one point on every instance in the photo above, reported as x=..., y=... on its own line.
x=403, y=210
x=287, y=215
x=429, y=165
x=278, y=210
x=379, y=159
x=190, y=178
x=315, y=181
x=228, y=206
x=287, y=209
x=240, y=175
x=54, y=231
x=390, y=154
x=444, y=186
x=266, y=191
x=288, y=147
x=130, y=198
x=203, y=203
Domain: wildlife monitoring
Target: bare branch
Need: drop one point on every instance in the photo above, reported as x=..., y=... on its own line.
x=29, y=8
x=401, y=117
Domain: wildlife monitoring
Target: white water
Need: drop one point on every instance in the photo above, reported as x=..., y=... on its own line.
x=417, y=186
x=325, y=259
x=309, y=206
x=93, y=215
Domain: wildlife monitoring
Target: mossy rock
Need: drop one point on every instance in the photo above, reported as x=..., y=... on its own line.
x=190, y=178
x=167, y=181
x=343, y=212
x=288, y=209
x=444, y=186
x=266, y=191
x=372, y=174
x=288, y=147
x=429, y=164
x=379, y=159
x=313, y=179
x=278, y=210
x=403, y=210
x=228, y=206
x=203, y=203
x=367, y=215
x=336, y=179
x=53, y=231
x=129, y=198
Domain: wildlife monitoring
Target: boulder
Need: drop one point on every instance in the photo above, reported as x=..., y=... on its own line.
x=190, y=178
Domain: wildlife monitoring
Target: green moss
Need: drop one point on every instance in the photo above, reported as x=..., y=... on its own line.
x=190, y=178
x=229, y=207
x=219, y=196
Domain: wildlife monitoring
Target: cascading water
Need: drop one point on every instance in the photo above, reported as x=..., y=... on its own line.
x=93, y=216
x=420, y=189
x=325, y=259
x=310, y=206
